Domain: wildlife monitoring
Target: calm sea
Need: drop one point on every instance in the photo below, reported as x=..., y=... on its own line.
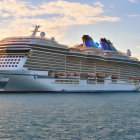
x=102, y=116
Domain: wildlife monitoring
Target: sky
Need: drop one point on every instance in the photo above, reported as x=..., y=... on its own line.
x=68, y=20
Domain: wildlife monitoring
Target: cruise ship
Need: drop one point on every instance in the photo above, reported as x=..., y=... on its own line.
x=39, y=64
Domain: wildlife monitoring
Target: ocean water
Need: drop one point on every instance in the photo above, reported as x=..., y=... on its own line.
x=98, y=116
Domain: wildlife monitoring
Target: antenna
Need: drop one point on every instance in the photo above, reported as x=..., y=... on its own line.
x=35, y=30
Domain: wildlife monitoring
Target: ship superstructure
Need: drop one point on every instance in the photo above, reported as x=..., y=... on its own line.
x=50, y=66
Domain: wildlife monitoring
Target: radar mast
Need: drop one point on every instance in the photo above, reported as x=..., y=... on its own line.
x=35, y=31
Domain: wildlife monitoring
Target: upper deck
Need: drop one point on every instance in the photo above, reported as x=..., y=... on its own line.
x=27, y=43
x=104, y=49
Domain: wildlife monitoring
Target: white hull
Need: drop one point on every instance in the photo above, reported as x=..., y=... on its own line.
x=29, y=82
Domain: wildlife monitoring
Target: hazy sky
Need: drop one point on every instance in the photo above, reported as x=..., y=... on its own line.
x=68, y=20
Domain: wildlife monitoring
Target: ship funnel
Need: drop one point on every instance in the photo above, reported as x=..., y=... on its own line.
x=88, y=41
x=107, y=45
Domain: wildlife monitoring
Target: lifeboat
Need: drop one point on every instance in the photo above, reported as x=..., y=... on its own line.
x=107, y=75
x=114, y=77
x=62, y=75
x=100, y=76
x=91, y=76
x=138, y=78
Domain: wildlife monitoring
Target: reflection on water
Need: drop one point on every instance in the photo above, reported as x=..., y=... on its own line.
x=107, y=116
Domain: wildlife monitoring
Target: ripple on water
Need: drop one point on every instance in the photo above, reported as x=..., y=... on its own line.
x=70, y=116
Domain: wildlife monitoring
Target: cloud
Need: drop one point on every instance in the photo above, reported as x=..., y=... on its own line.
x=17, y=17
x=138, y=47
x=98, y=4
x=133, y=1
x=136, y=55
x=131, y=16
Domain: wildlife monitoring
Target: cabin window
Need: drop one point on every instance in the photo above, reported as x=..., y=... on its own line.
x=91, y=81
x=17, y=51
x=100, y=81
x=114, y=80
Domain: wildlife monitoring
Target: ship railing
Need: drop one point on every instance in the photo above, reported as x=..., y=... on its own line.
x=134, y=58
x=100, y=53
x=119, y=82
x=22, y=37
x=125, y=54
x=121, y=55
x=67, y=81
